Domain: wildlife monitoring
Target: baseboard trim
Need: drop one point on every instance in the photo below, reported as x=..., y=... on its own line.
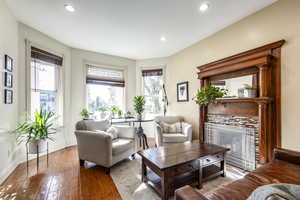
x=7, y=171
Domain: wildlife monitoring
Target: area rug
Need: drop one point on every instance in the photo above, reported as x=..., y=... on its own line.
x=127, y=178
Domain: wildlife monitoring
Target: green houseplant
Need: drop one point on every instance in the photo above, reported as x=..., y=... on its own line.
x=139, y=105
x=209, y=95
x=103, y=111
x=36, y=132
x=116, y=111
x=85, y=114
x=250, y=91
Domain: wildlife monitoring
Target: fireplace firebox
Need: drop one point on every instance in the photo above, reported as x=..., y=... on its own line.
x=241, y=141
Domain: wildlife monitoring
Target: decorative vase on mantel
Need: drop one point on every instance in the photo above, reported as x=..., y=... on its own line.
x=250, y=93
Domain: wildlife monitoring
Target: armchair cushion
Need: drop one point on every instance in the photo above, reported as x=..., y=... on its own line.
x=171, y=128
x=174, y=138
x=91, y=125
x=120, y=145
x=113, y=131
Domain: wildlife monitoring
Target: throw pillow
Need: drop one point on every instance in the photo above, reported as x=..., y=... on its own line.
x=113, y=131
x=171, y=128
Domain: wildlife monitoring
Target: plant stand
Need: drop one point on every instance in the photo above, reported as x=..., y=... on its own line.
x=37, y=157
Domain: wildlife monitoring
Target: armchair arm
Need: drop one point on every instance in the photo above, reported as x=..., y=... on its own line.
x=287, y=155
x=95, y=147
x=158, y=135
x=126, y=131
x=188, y=193
x=187, y=130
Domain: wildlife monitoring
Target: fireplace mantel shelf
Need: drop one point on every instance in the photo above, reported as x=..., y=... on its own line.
x=245, y=100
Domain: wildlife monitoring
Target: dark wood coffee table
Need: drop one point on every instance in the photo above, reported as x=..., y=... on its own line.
x=167, y=168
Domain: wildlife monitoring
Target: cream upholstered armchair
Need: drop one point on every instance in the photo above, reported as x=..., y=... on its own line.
x=172, y=129
x=103, y=144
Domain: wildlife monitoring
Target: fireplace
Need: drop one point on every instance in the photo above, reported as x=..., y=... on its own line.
x=242, y=141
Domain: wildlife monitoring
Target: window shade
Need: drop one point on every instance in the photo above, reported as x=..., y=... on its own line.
x=152, y=72
x=101, y=76
x=46, y=56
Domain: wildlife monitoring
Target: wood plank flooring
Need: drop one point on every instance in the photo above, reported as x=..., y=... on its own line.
x=64, y=179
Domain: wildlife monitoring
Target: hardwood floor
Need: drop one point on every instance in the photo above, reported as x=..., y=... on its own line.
x=63, y=179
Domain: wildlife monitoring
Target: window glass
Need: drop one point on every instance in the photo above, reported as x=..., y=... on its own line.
x=153, y=92
x=44, y=82
x=105, y=90
x=104, y=95
x=43, y=76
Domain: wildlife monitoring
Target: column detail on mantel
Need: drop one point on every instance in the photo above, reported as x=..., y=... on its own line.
x=264, y=64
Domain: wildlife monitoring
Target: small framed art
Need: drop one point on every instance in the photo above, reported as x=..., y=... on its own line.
x=8, y=80
x=183, y=91
x=8, y=63
x=8, y=96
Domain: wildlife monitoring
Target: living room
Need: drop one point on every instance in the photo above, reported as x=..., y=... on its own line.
x=152, y=64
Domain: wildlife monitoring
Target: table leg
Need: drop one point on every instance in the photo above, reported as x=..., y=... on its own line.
x=146, y=141
x=37, y=159
x=47, y=154
x=165, y=187
x=200, y=177
x=27, y=157
x=144, y=171
x=223, y=166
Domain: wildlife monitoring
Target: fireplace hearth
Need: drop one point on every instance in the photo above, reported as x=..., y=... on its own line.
x=242, y=141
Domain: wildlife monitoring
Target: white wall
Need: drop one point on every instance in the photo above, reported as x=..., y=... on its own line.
x=79, y=60
x=8, y=112
x=276, y=22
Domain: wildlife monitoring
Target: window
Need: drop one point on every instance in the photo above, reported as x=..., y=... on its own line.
x=153, y=91
x=105, y=89
x=44, y=81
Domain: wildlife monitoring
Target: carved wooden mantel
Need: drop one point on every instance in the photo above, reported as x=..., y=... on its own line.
x=265, y=64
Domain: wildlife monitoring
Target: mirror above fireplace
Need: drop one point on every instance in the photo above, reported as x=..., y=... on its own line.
x=237, y=87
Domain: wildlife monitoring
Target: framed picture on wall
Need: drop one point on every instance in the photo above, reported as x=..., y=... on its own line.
x=8, y=96
x=183, y=91
x=8, y=80
x=8, y=63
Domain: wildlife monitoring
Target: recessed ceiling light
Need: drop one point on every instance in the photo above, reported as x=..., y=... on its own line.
x=204, y=6
x=69, y=8
x=163, y=39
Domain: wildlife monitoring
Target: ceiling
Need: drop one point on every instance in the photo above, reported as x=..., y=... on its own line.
x=132, y=28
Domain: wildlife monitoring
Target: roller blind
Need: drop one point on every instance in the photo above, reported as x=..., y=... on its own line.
x=152, y=72
x=46, y=56
x=104, y=76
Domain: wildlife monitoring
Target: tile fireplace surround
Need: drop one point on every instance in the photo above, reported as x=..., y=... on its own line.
x=240, y=134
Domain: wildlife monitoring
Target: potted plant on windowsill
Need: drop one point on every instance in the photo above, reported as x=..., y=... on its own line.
x=116, y=112
x=85, y=114
x=103, y=111
x=35, y=133
x=139, y=106
x=208, y=95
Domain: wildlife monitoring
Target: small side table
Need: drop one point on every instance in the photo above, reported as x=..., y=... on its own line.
x=37, y=157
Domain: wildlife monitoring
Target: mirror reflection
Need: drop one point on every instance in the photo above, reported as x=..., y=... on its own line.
x=240, y=87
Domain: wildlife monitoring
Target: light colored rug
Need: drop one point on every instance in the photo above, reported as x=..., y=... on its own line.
x=127, y=177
